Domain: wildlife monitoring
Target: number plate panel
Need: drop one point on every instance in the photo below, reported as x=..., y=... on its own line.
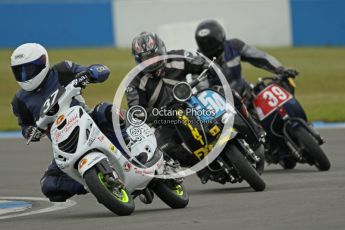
x=269, y=99
x=211, y=101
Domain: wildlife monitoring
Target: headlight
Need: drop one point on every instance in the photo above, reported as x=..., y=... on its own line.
x=182, y=91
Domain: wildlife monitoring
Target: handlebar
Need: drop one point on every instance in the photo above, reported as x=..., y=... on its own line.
x=36, y=129
x=32, y=135
x=68, y=93
x=278, y=77
x=203, y=75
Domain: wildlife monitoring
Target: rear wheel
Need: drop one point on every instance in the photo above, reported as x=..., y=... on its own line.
x=116, y=199
x=244, y=168
x=288, y=163
x=174, y=195
x=311, y=146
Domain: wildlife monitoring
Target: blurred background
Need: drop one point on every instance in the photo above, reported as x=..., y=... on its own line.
x=308, y=35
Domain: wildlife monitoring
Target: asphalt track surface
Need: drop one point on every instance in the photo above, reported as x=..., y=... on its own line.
x=302, y=198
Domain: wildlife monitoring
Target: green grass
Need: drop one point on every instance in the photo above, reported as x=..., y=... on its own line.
x=320, y=86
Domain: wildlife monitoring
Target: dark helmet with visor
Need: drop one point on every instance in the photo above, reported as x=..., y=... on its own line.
x=210, y=37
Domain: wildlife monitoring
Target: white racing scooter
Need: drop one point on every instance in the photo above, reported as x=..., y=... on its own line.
x=84, y=153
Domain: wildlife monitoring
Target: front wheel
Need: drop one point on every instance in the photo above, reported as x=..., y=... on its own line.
x=311, y=146
x=244, y=168
x=117, y=200
x=260, y=166
x=174, y=195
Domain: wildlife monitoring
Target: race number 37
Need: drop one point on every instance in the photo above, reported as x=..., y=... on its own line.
x=51, y=100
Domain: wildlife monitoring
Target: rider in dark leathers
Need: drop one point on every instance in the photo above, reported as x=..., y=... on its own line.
x=152, y=88
x=38, y=81
x=211, y=41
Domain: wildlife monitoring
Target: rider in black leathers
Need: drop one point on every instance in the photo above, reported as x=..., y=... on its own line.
x=152, y=88
x=211, y=41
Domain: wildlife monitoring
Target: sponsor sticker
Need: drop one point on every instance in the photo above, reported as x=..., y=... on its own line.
x=94, y=133
x=204, y=32
x=112, y=148
x=82, y=163
x=19, y=56
x=143, y=172
x=127, y=166
x=60, y=119
x=100, y=138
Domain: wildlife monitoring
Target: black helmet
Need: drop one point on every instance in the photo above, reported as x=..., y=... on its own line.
x=210, y=37
x=148, y=45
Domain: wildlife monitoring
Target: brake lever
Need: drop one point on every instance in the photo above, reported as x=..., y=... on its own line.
x=31, y=136
x=203, y=75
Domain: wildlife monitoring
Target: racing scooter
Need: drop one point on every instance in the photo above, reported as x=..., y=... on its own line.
x=85, y=154
x=290, y=138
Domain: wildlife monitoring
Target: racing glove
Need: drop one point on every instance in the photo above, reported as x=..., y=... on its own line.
x=286, y=72
x=95, y=73
x=31, y=131
x=82, y=79
x=98, y=73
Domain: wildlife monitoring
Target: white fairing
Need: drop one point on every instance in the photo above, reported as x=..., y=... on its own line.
x=142, y=140
x=89, y=160
x=98, y=147
x=61, y=133
x=78, y=144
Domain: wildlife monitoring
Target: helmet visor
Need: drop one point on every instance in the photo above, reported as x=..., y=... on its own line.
x=29, y=70
x=210, y=48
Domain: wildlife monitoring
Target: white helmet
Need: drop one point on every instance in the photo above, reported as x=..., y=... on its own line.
x=30, y=65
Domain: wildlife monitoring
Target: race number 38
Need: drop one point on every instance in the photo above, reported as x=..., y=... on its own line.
x=269, y=99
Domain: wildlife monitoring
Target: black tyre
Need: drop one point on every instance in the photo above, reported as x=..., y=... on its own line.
x=260, y=166
x=244, y=168
x=119, y=202
x=311, y=146
x=288, y=163
x=174, y=195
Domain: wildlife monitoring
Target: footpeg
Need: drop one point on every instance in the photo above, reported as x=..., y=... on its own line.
x=204, y=180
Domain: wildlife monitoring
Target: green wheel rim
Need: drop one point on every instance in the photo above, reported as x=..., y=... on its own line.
x=179, y=190
x=123, y=197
